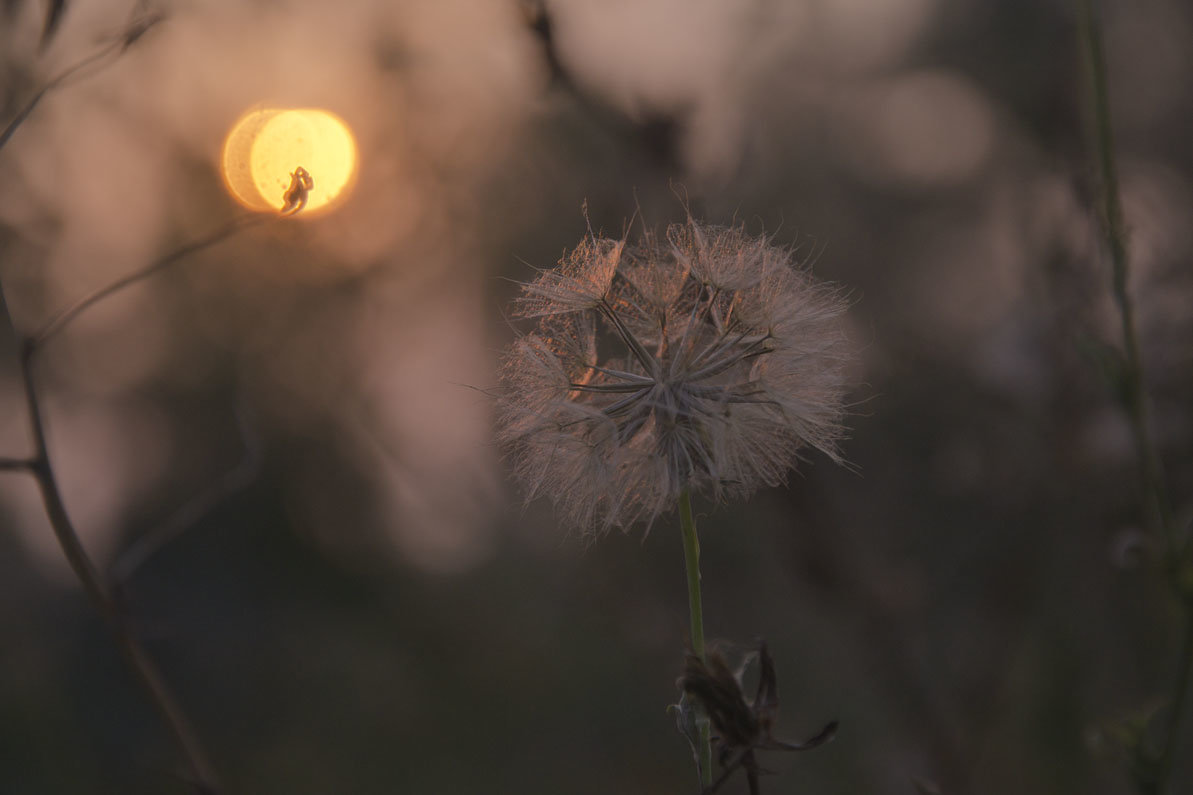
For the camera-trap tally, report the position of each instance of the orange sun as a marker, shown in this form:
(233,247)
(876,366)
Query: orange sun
(266,147)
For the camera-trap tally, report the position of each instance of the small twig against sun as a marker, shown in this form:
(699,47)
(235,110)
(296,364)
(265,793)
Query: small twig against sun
(295,197)
(283,161)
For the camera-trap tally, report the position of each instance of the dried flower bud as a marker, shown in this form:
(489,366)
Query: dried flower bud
(705,363)
(742,727)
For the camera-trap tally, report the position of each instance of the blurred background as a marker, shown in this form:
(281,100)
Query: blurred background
(351,597)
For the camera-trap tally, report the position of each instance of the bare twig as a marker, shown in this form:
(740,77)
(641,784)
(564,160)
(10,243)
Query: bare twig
(135,29)
(63,318)
(97,588)
(94,584)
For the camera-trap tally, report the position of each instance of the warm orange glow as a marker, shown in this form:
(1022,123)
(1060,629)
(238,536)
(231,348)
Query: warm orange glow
(266,147)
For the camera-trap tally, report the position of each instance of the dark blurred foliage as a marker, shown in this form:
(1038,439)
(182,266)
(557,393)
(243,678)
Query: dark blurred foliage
(970,599)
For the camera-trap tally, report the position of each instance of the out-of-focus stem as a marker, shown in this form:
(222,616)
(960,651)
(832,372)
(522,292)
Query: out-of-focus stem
(691,554)
(97,588)
(134,31)
(1134,393)
(1180,691)
(99,592)
(1151,472)
(63,318)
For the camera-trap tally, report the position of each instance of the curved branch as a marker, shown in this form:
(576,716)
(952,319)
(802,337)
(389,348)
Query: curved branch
(63,318)
(97,587)
(99,591)
(135,30)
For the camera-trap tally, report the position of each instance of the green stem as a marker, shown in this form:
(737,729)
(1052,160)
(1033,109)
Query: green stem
(1180,691)
(691,554)
(1159,516)
(1151,470)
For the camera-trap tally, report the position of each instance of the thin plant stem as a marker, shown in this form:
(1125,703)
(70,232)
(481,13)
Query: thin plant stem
(1180,691)
(135,29)
(63,318)
(1134,393)
(58,80)
(101,593)
(105,598)
(97,589)
(1158,513)
(691,554)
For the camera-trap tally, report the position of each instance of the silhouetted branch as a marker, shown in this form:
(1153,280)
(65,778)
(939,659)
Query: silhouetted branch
(656,132)
(93,583)
(39,465)
(63,318)
(137,28)
(99,590)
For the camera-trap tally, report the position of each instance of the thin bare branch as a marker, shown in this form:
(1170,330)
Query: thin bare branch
(63,318)
(114,47)
(100,592)
(94,584)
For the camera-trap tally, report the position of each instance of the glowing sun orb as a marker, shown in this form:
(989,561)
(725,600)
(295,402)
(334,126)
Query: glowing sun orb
(266,147)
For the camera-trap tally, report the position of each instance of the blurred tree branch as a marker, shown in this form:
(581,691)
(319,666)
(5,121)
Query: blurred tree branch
(657,133)
(54,12)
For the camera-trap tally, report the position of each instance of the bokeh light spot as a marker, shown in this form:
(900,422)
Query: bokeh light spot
(934,126)
(266,146)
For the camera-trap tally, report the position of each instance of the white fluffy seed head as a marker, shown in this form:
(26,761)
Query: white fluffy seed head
(706,362)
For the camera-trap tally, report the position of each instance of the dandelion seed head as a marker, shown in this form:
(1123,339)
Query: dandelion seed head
(706,361)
